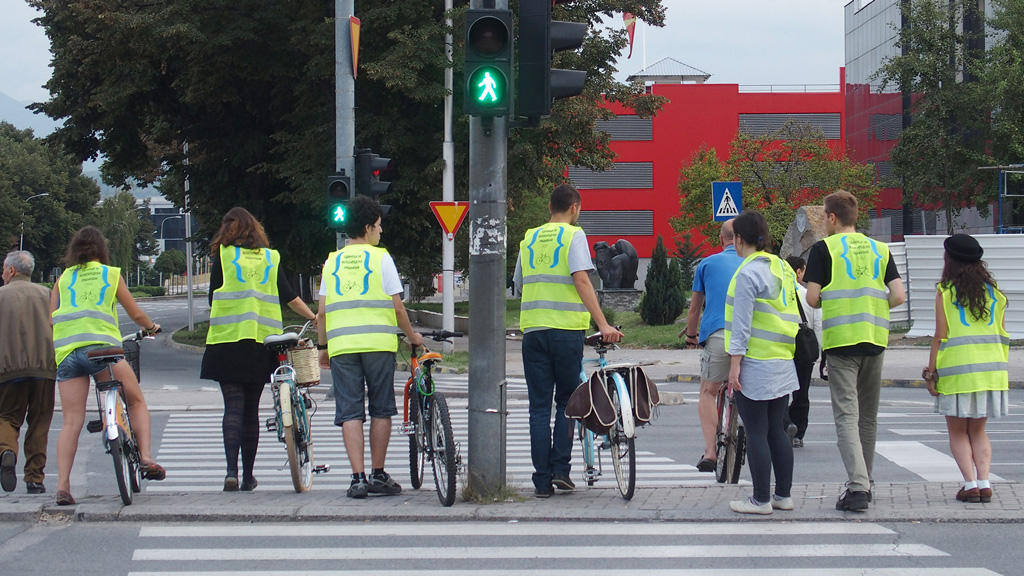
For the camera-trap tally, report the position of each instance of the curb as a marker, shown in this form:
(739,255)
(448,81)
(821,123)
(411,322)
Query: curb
(886,382)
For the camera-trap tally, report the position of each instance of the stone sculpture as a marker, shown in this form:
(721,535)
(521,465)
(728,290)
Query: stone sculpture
(616,264)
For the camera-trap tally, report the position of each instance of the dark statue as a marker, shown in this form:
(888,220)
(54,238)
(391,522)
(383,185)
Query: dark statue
(616,264)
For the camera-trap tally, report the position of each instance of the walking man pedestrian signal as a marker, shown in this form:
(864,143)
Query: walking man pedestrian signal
(489,79)
(487,84)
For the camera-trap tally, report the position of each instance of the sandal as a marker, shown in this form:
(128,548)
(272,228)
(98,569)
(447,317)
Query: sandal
(152,471)
(64,498)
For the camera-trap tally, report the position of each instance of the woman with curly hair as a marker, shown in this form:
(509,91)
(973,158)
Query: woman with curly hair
(967,368)
(248,285)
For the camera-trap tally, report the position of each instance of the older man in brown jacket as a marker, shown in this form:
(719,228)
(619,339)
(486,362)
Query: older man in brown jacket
(27,372)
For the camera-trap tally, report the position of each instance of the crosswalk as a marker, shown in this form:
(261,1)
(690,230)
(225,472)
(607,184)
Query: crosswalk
(192,451)
(538,549)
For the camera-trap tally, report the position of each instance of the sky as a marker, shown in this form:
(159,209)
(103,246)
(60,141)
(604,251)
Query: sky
(748,42)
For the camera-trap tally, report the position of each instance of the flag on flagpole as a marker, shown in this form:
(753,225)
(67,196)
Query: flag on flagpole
(630,21)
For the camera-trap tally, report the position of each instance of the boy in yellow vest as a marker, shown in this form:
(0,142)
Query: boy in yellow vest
(359,316)
(847,277)
(553,271)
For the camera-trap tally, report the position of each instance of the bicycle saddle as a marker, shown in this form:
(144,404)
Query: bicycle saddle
(112,354)
(286,340)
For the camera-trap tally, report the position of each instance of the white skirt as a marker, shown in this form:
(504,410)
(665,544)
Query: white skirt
(985,404)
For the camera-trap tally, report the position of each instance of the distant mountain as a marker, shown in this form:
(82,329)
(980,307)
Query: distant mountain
(107,190)
(15,112)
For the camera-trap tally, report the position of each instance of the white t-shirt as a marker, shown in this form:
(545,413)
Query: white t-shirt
(390,281)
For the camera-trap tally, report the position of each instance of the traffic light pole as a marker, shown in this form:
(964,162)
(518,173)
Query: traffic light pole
(448,193)
(345,95)
(488,153)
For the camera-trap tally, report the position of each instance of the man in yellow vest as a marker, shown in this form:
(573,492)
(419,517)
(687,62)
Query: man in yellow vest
(553,272)
(359,316)
(847,276)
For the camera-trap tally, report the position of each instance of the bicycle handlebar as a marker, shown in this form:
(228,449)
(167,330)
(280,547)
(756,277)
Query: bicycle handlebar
(302,329)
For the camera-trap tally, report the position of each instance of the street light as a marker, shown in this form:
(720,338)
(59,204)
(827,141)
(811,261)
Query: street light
(162,222)
(21,241)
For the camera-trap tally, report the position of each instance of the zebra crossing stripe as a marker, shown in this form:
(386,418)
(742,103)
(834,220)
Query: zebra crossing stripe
(594,572)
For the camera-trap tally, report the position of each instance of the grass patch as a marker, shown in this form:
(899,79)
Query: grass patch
(462,309)
(197,337)
(639,335)
(506,493)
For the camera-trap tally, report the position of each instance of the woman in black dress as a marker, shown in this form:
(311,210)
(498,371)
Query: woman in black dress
(248,285)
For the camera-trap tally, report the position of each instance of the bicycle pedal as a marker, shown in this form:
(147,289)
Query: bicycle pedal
(271,424)
(94,426)
(321,469)
(407,428)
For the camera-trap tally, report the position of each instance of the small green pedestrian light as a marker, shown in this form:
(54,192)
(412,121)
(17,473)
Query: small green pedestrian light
(337,214)
(489,80)
(487,86)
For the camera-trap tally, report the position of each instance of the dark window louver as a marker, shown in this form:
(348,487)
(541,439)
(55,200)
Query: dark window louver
(623,175)
(617,222)
(760,125)
(628,127)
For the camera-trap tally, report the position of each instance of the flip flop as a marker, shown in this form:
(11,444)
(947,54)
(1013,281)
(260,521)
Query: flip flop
(153,471)
(706,465)
(64,498)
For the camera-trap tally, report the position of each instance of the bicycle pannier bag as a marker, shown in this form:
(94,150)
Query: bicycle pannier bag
(591,404)
(643,393)
(806,342)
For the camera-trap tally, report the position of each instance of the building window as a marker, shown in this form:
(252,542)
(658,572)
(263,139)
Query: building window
(885,127)
(623,175)
(628,127)
(617,222)
(760,125)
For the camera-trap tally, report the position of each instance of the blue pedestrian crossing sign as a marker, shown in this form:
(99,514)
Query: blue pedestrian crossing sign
(726,200)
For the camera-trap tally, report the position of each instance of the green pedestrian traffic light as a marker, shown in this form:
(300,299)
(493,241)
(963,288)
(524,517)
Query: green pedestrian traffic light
(489,75)
(339,191)
(336,214)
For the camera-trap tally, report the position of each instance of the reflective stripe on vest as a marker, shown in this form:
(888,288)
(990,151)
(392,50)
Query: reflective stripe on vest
(247,306)
(974,356)
(855,305)
(360,315)
(775,322)
(86,313)
(550,299)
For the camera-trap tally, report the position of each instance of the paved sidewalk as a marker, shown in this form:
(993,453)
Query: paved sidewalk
(924,502)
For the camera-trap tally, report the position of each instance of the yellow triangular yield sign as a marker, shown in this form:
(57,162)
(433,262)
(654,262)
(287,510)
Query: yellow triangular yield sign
(450,215)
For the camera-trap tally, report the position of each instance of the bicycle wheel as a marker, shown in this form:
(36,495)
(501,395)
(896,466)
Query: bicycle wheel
(741,452)
(623,451)
(122,469)
(442,443)
(417,449)
(135,478)
(727,466)
(297,442)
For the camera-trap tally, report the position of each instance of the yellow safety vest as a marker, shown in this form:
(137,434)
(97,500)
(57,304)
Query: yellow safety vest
(360,315)
(247,306)
(974,355)
(86,313)
(854,305)
(776,320)
(550,299)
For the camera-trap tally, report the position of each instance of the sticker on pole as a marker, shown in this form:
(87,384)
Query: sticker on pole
(450,215)
(726,200)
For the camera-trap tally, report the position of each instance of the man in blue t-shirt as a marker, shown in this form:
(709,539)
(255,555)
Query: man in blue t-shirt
(710,284)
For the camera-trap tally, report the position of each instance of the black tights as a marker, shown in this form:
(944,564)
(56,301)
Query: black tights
(241,425)
(768,447)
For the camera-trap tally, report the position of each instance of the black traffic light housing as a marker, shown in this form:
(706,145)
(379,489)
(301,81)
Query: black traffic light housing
(339,191)
(539,37)
(368,169)
(490,79)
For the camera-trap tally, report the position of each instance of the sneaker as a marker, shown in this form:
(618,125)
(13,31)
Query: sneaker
(248,484)
(971,495)
(35,488)
(563,482)
(358,489)
(748,506)
(798,442)
(853,501)
(791,431)
(782,503)
(544,492)
(231,483)
(8,480)
(384,484)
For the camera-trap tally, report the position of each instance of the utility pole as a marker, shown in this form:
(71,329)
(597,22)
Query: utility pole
(188,242)
(448,192)
(488,151)
(345,95)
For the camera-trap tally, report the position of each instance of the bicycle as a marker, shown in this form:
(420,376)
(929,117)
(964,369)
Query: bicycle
(428,424)
(119,439)
(730,440)
(620,440)
(293,406)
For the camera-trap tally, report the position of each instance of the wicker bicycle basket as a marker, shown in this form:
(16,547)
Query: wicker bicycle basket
(131,354)
(304,360)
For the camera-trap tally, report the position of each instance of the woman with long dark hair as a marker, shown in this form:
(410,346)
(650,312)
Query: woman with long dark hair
(82,309)
(248,285)
(968,366)
(761,322)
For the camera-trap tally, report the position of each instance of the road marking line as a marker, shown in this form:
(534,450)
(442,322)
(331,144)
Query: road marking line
(593,572)
(926,462)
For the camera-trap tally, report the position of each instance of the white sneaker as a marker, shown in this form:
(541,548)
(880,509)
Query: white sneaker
(747,506)
(782,503)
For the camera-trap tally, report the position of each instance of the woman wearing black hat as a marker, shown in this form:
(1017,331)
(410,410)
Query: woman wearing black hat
(967,369)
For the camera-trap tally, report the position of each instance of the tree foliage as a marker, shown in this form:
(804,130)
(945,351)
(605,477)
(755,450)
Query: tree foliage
(128,230)
(938,154)
(249,85)
(1003,81)
(664,295)
(29,166)
(780,171)
(170,262)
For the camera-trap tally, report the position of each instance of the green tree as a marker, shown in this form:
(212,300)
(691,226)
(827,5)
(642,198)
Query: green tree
(250,86)
(1003,80)
(170,262)
(938,155)
(663,300)
(31,166)
(780,171)
(128,230)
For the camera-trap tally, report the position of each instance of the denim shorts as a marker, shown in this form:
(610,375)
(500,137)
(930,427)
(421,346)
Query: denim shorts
(78,364)
(362,375)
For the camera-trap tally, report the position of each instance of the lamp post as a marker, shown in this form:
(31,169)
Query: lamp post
(21,241)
